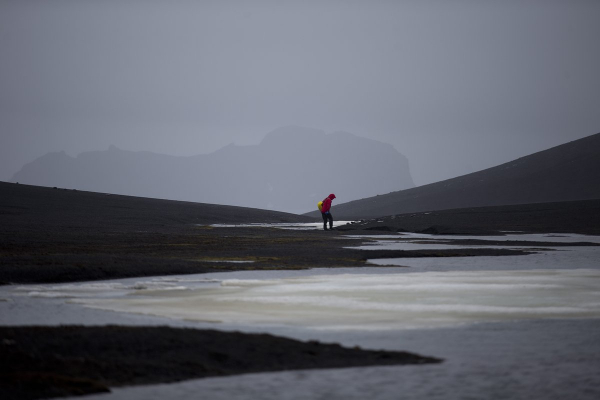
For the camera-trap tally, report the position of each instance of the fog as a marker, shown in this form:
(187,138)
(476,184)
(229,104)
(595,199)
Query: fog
(455,86)
(291,170)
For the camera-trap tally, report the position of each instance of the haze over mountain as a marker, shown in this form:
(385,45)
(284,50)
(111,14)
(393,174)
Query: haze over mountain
(563,173)
(456,86)
(290,170)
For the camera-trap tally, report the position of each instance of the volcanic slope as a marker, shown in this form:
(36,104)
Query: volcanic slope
(33,208)
(563,173)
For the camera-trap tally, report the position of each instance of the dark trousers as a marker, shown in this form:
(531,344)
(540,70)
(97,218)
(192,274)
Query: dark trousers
(325,218)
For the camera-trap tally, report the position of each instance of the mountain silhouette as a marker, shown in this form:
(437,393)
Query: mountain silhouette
(563,173)
(290,170)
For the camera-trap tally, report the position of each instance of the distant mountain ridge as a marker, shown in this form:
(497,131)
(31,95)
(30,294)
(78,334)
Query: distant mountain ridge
(563,173)
(290,170)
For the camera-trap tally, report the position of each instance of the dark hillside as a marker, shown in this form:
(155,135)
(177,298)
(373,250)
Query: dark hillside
(582,217)
(25,207)
(59,235)
(564,173)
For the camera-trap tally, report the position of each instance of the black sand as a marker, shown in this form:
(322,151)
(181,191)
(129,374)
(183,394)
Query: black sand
(60,361)
(55,235)
(52,235)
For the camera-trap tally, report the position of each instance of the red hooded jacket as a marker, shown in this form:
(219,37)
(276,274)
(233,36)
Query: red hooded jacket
(327,203)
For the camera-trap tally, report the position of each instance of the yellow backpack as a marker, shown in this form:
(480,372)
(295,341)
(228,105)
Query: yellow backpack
(320,205)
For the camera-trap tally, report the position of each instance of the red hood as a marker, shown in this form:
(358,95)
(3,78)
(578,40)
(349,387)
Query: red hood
(331,196)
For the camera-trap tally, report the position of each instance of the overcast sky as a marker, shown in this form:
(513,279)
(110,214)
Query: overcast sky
(456,86)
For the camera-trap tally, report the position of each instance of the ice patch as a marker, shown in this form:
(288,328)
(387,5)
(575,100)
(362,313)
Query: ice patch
(247,282)
(114,288)
(380,302)
(49,294)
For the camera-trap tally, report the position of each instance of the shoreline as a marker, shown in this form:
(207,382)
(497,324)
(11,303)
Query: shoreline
(58,236)
(45,362)
(53,235)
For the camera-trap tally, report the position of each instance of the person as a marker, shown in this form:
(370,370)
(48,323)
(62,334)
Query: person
(326,211)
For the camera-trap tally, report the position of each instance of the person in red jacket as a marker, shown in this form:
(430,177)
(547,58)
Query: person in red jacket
(326,213)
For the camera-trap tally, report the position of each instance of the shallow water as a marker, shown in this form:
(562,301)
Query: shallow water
(283,225)
(513,327)
(548,257)
(351,301)
(518,361)
(557,258)
(528,237)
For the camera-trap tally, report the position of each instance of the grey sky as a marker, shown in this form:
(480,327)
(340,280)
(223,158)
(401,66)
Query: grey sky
(456,86)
